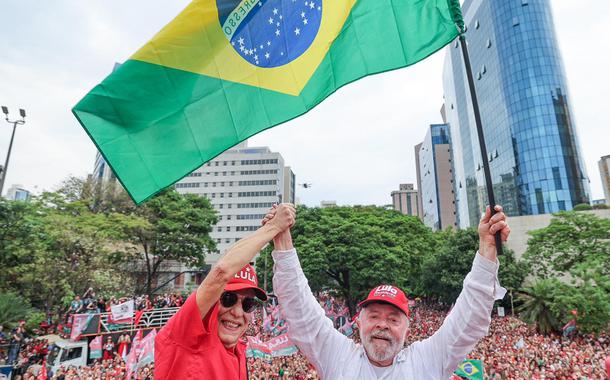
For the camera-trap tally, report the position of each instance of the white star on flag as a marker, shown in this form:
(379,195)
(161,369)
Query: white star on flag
(305,21)
(274,11)
(267,55)
(270,20)
(297,31)
(277,32)
(312,5)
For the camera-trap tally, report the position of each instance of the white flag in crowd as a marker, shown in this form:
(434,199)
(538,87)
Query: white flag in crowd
(122,311)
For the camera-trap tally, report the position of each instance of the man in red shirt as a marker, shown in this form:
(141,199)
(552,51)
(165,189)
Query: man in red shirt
(202,341)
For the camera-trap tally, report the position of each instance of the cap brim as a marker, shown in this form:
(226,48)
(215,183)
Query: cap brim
(365,303)
(260,293)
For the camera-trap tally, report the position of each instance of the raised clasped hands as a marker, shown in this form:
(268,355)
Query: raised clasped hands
(282,217)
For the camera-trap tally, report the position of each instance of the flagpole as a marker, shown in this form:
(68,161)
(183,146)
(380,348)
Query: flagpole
(477,117)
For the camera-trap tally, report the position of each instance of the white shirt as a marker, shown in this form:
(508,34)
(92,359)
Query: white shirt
(337,357)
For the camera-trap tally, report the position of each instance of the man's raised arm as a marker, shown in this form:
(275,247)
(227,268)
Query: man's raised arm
(308,326)
(470,317)
(240,254)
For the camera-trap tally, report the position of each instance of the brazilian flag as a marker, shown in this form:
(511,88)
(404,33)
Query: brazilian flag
(470,369)
(225,70)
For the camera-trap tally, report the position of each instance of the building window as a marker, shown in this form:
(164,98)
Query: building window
(515,21)
(216,163)
(524,3)
(228,228)
(228,217)
(229,205)
(219,229)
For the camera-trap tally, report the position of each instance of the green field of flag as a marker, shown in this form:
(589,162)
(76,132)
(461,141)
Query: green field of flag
(225,70)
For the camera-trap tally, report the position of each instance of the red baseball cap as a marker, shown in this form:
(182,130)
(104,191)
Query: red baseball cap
(246,279)
(388,294)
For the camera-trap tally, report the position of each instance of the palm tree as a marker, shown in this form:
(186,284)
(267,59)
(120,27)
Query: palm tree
(12,309)
(536,307)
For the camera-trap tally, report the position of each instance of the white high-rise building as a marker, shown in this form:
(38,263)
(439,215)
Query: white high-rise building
(242,184)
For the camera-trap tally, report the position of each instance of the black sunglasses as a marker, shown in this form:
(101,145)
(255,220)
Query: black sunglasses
(229,299)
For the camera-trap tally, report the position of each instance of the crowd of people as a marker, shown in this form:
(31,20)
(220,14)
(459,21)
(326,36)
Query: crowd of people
(90,303)
(511,350)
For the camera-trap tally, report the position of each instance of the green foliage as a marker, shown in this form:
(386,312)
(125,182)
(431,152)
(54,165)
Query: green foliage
(444,270)
(353,249)
(583,207)
(575,247)
(12,309)
(600,207)
(538,301)
(171,226)
(572,242)
(92,235)
(34,320)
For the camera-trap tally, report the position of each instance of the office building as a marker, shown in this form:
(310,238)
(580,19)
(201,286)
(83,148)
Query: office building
(604,172)
(533,150)
(405,199)
(102,171)
(435,179)
(242,184)
(17,193)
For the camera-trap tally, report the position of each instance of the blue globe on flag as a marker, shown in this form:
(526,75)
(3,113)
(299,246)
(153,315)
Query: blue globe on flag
(270,33)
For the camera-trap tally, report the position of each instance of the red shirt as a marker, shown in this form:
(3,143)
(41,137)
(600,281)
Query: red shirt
(189,348)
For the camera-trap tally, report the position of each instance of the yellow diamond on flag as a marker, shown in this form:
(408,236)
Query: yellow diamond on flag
(273,47)
(468,368)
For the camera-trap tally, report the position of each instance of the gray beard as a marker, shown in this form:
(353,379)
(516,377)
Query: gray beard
(380,352)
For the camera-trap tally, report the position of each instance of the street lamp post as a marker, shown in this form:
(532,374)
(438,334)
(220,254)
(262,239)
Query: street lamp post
(10,146)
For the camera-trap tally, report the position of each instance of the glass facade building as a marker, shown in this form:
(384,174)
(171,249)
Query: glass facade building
(435,178)
(534,153)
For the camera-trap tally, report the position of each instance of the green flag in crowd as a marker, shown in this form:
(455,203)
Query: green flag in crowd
(470,369)
(224,70)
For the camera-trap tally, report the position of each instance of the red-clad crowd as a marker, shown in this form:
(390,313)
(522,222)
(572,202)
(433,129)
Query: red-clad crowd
(511,350)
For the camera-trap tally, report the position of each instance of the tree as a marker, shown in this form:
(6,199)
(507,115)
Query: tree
(19,227)
(576,248)
(98,196)
(172,227)
(537,304)
(444,270)
(75,251)
(583,207)
(12,309)
(572,241)
(352,249)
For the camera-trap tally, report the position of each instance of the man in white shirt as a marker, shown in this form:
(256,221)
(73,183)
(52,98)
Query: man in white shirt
(383,322)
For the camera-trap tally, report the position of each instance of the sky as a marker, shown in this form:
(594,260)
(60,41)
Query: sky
(354,148)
